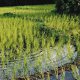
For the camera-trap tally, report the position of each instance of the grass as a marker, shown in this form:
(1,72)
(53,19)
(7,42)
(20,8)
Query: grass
(27,29)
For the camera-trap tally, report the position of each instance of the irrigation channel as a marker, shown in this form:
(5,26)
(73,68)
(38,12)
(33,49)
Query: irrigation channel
(47,63)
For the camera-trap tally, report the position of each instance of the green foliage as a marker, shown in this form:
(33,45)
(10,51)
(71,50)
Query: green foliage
(9,14)
(68,6)
(27,37)
(24,2)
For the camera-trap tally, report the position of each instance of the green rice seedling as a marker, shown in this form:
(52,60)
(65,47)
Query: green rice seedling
(52,41)
(48,50)
(56,72)
(63,74)
(20,36)
(42,75)
(78,45)
(43,41)
(48,74)
(13,77)
(25,67)
(28,45)
(3,58)
(39,67)
(27,78)
(75,72)
(20,42)
(69,47)
(14,72)
(59,49)
(36,45)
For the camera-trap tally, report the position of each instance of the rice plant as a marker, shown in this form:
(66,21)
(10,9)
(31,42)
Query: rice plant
(33,37)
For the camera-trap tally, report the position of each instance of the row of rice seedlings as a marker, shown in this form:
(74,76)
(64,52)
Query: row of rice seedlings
(15,39)
(72,24)
(66,25)
(78,44)
(62,22)
(14,45)
(24,29)
(56,72)
(63,74)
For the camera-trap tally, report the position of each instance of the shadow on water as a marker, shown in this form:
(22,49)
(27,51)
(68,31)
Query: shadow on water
(68,76)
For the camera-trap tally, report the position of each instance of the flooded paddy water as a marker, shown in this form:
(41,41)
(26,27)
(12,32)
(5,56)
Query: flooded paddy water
(56,64)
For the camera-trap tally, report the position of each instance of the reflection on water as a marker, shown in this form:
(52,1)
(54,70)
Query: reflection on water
(68,76)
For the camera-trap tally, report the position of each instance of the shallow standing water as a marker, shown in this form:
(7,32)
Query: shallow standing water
(46,64)
(68,76)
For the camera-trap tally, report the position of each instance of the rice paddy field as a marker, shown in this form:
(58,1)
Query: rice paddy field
(36,43)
